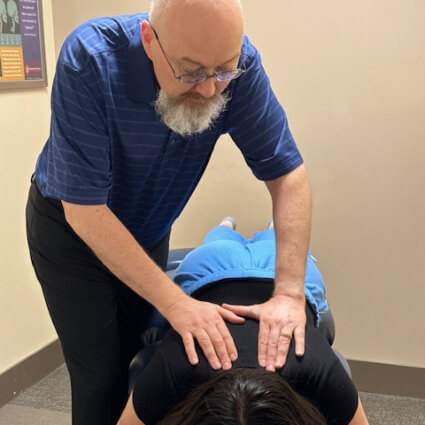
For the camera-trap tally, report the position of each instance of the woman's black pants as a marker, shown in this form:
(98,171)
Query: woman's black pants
(99,320)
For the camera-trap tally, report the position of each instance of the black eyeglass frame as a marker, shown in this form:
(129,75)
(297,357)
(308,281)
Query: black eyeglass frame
(197,78)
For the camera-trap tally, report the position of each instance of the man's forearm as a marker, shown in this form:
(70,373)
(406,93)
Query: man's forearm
(113,244)
(119,251)
(291,196)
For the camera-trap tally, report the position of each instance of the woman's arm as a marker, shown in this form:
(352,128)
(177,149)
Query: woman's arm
(129,416)
(359,417)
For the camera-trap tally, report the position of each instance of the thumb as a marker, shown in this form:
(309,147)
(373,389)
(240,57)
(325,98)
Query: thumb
(250,311)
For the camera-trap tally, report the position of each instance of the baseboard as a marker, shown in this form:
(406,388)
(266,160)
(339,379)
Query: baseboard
(29,371)
(388,379)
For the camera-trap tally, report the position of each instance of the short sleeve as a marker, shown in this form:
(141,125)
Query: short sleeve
(78,160)
(257,122)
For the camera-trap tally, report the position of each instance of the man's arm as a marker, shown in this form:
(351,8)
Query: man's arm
(291,196)
(283,316)
(113,244)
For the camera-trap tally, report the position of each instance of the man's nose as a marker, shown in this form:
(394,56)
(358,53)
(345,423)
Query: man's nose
(207,88)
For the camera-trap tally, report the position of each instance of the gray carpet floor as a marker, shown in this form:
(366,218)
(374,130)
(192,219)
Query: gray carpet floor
(48,403)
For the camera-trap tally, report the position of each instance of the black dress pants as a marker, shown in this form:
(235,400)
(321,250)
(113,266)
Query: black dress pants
(99,320)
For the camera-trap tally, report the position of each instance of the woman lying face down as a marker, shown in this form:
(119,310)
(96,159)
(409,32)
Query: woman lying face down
(314,389)
(310,390)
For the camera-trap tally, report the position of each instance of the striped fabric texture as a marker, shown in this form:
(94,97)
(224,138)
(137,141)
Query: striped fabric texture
(108,146)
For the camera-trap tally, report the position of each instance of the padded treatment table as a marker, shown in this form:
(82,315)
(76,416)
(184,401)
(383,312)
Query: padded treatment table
(152,337)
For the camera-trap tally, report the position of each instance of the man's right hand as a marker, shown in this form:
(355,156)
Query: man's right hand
(204,322)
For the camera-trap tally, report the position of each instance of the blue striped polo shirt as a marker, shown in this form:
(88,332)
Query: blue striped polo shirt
(108,146)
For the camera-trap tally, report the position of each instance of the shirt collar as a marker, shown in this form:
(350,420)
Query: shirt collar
(141,81)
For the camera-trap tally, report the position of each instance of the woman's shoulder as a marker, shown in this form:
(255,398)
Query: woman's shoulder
(167,379)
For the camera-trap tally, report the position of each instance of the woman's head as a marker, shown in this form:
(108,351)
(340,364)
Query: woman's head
(244,397)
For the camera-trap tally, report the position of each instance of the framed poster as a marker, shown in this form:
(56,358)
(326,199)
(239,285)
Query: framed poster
(22,57)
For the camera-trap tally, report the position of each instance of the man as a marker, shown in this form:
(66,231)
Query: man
(137,106)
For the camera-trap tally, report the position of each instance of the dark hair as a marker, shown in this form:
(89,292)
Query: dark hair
(244,397)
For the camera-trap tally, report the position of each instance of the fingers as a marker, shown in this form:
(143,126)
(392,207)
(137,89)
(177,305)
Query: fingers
(213,347)
(217,342)
(284,342)
(228,341)
(299,335)
(217,345)
(189,346)
(250,311)
(263,342)
(280,320)
(214,339)
(273,347)
(230,316)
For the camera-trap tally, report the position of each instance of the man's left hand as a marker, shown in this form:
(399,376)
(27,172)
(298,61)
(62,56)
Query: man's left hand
(281,318)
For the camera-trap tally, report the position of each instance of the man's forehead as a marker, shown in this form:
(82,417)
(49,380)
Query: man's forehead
(205,33)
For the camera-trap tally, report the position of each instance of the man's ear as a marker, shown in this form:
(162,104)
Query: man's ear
(147,37)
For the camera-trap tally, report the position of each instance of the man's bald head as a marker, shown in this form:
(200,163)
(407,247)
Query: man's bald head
(206,31)
(161,9)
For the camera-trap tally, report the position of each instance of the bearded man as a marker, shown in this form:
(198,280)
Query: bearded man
(138,103)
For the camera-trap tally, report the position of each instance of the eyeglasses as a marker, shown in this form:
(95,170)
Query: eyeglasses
(198,78)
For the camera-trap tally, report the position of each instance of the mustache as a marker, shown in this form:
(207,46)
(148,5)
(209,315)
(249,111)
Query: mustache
(193,95)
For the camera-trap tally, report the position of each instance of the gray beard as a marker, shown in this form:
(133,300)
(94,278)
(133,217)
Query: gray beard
(189,120)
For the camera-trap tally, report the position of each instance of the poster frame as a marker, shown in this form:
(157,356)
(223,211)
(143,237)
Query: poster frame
(36,83)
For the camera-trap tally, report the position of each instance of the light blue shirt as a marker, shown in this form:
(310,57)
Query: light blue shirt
(226,254)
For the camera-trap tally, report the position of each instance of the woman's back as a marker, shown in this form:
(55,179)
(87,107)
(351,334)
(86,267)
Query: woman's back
(169,378)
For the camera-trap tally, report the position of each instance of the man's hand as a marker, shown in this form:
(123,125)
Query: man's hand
(204,322)
(280,318)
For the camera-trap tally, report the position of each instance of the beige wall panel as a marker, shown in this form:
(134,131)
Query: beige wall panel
(24,114)
(352,79)
(69,14)
(227,188)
